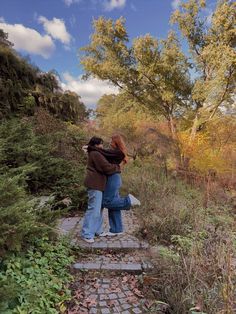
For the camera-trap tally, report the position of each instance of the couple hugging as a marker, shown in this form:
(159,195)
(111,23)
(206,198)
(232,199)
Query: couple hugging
(103,181)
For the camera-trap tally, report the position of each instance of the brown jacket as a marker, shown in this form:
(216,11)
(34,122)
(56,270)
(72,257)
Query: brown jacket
(97,169)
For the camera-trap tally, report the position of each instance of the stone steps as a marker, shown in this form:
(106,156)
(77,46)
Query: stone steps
(118,267)
(118,244)
(135,268)
(127,242)
(110,261)
(117,260)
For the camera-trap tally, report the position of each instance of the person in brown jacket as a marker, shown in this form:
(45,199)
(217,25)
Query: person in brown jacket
(112,200)
(98,168)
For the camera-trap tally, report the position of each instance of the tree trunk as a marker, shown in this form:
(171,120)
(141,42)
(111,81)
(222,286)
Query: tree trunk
(194,128)
(175,139)
(172,127)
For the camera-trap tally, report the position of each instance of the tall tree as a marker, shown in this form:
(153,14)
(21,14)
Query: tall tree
(212,49)
(149,71)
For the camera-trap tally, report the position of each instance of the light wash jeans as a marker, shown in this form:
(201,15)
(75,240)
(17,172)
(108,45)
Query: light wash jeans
(115,203)
(93,219)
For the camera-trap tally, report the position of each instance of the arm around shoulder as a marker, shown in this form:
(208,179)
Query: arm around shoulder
(102,165)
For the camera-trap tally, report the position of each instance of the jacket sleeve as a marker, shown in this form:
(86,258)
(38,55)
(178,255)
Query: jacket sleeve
(102,165)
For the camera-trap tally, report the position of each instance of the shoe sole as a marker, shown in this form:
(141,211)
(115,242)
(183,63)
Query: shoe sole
(114,235)
(87,241)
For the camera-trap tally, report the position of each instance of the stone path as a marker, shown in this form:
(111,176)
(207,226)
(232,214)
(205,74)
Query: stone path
(109,295)
(111,266)
(127,241)
(116,261)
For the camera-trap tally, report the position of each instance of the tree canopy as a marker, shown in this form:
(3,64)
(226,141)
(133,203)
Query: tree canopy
(149,71)
(156,73)
(192,92)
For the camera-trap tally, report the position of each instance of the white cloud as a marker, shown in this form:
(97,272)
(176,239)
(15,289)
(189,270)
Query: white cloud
(2,20)
(56,28)
(70,2)
(109,5)
(29,40)
(90,90)
(175,4)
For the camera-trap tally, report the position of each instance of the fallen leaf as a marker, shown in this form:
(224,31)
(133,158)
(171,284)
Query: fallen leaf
(132,300)
(149,303)
(115,282)
(88,302)
(125,279)
(96,285)
(77,310)
(79,294)
(138,293)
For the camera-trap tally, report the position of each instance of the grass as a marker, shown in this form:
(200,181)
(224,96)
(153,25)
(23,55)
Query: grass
(194,268)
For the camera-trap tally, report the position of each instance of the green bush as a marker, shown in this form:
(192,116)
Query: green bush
(29,166)
(20,221)
(35,156)
(36,282)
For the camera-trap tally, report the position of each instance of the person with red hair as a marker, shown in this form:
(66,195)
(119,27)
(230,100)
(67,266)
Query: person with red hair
(117,154)
(98,168)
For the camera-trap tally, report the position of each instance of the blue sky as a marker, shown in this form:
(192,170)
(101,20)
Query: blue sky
(52,31)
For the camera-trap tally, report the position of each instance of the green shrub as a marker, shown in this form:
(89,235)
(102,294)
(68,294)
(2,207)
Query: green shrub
(36,156)
(36,282)
(29,165)
(20,221)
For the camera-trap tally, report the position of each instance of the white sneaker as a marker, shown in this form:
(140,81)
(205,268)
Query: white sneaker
(88,240)
(134,200)
(103,234)
(112,234)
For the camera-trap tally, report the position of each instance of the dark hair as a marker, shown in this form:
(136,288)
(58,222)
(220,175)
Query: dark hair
(95,141)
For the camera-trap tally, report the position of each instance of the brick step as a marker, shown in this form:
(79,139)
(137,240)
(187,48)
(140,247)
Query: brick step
(118,244)
(135,268)
(132,262)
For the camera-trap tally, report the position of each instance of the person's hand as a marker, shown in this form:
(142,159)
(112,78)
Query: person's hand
(121,165)
(85,149)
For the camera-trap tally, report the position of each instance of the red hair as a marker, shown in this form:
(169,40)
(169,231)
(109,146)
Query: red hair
(118,142)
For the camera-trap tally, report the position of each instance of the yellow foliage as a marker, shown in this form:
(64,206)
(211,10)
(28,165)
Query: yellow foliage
(213,149)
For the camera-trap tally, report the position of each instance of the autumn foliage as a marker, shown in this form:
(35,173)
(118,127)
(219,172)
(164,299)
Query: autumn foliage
(178,107)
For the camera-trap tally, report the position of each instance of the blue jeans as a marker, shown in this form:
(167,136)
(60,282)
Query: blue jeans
(93,219)
(115,203)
